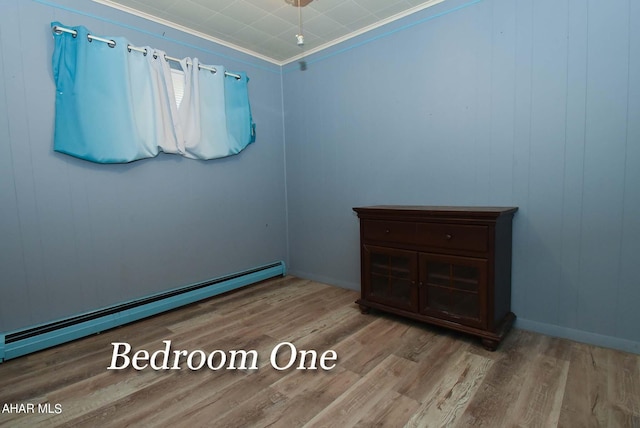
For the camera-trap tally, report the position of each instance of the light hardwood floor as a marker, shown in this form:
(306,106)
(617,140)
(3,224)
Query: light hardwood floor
(389,372)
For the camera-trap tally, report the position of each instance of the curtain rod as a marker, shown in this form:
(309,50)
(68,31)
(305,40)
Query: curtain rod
(112,44)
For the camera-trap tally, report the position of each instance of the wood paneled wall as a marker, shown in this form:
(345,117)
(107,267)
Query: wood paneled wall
(529,103)
(76,236)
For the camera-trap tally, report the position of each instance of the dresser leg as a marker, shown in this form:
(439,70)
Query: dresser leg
(490,344)
(364,309)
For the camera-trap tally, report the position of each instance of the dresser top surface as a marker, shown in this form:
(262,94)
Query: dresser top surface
(429,210)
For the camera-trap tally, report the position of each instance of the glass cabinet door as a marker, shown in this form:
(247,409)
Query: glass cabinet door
(390,277)
(453,288)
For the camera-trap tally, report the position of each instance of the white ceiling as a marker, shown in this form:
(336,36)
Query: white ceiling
(267,28)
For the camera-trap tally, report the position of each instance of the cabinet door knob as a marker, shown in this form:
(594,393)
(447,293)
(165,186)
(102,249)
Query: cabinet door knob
(386,231)
(449,237)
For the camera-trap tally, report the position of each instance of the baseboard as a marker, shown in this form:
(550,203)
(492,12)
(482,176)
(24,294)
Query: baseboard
(579,335)
(355,286)
(27,340)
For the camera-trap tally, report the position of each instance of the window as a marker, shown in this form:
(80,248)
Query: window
(177,77)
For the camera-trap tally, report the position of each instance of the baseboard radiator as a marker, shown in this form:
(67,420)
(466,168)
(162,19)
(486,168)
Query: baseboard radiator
(25,341)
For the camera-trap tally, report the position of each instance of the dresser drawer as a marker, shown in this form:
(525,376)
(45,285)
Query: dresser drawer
(390,231)
(454,236)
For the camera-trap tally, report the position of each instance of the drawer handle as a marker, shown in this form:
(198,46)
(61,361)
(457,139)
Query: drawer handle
(448,237)
(386,231)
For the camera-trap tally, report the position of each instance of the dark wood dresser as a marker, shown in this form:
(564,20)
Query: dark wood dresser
(448,266)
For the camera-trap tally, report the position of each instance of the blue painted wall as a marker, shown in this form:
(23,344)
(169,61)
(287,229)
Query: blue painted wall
(532,103)
(76,236)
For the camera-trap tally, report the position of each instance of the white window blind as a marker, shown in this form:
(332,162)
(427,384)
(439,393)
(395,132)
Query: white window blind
(177,76)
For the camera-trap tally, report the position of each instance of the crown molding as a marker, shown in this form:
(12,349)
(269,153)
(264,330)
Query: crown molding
(280,63)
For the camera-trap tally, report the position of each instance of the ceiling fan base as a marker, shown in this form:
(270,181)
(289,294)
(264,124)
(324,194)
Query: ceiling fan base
(298,3)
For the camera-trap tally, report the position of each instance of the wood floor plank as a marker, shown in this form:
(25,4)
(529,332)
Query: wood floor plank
(338,324)
(492,402)
(314,312)
(253,408)
(582,391)
(623,389)
(362,397)
(600,371)
(393,410)
(539,403)
(250,300)
(258,410)
(389,372)
(361,352)
(91,394)
(267,319)
(451,396)
(433,365)
(307,393)
(61,366)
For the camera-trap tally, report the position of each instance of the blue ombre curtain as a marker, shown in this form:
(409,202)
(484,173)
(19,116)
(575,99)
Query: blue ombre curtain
(241,129)
(215,112)
(114,105)
(105,100)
